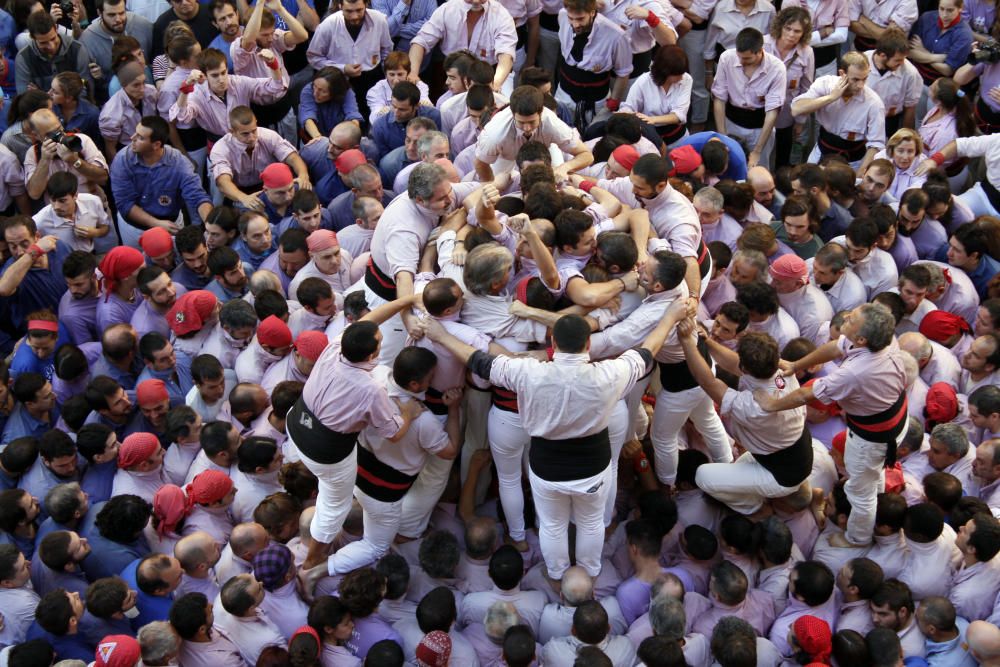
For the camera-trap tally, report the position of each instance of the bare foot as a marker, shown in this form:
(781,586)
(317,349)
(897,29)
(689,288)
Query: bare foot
(318,553)
(520,545)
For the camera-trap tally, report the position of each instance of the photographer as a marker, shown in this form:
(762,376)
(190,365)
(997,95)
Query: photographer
(983,64)
(54,150)
(49,53)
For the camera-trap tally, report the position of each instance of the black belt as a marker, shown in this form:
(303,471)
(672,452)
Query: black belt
(571,458)
(379,480)
(670,133)
(192,138)
(548,21)
(992,194)
(824,55)
(751,119)
(792,465)
(583,85)
(677,377)
(522,35)
(831,143)
(885,426)
(641,62)
(699,26)
(316,441)
(378,282)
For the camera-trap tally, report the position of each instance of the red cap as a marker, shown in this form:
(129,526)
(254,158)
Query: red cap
(117,651)
(310,344)
(156,242)
(277,175)
(273,332)
(434,650)
(120,262)
(170,505)
(136,448)
(686,159)
(190,311)
(942,404)
(626,155)
(150,392)
(209,486)
(322,239)
(350,159)
(814,636)
(940,325)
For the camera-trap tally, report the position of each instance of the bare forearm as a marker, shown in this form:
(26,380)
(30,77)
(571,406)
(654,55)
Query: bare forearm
(14,274)
(701,371)
(770,118)
(484,171)
(693,276)
(825,353)
(719,113)
(505,63)
(39,179)
(806,107)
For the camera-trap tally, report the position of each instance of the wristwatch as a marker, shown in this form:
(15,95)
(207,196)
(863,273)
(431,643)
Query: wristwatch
(76,165)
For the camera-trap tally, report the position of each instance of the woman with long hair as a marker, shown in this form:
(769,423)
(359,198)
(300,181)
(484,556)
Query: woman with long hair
(326,101)
(949,118)
(788,41)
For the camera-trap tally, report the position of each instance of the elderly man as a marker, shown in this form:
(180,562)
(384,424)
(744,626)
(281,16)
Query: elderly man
(870,385)
(936,362)
(76,154)
(363,181)
(806,303)
(429,147)
(31,279)
(238,615)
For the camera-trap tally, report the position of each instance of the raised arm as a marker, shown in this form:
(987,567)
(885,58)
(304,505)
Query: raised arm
(687,334)
(677,311)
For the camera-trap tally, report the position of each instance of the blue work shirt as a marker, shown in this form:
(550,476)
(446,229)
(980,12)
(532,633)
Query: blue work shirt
(67,647)
(160,189)
(98,480)
(40,289)
(388,133)
(151,607)
(191,280)
(21,424)
(26,361)
(737,168)
(955,43)
(327,114)
(222,45)
(249,256)
(108,558)
(405,20)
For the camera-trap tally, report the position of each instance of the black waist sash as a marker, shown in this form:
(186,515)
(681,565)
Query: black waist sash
(570,459)
(378,282)
(987,119)
(824,55)
(831,143)
(863,44)
(548,21)
(752,119)
(792,465)
(884,427)
(670,133)
(192,138)
(992,194)
(380,480)
(433,401)
(504,399)
(316,441)
(583,85)
(641,62)
(677,377)
(522,35)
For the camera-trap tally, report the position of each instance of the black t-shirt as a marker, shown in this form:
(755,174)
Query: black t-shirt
(201,24)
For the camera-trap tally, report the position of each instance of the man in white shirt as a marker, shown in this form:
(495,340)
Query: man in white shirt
(238,615)
(75,218)
(936,362)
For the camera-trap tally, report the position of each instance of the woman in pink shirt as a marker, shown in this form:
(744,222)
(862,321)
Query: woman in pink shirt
(905,149)
(949,117)
(788,41)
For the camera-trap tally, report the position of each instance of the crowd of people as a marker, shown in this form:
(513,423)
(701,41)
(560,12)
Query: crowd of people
(575,333)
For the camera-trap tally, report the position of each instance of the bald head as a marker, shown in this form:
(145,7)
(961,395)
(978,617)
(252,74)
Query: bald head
(44,121)
(577,586)
(247,539)
(197,552)
(480,537)
(346,135)
(262,279)
(984,642)
(762,182)
(917,345)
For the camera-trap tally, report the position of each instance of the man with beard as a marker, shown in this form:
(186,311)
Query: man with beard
(113,22)
(111,406)
(193,272)
(78,305)
(236,326)
(841,103)
(327,261)
(353,34)
(33,414)
(57,563)
(229,272)
(198,17)
(159,293)
(154,402)
(226,19)
(489,34)
(192,616)
(292,253)
(157,354)
(595,50)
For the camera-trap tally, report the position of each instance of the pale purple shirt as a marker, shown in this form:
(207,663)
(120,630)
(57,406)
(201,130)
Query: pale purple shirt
(764,89)
(120,115)
(647,98)
(865,383)
(80,317)
(757,609)
(898,89)
(285,608)
(974,588)
(901,12)
(494,34)
(607,46)
(211,112)
(12,177)
(146,318)
(218,652)
(860,117)
(229,156)
(332,45)
(727,21)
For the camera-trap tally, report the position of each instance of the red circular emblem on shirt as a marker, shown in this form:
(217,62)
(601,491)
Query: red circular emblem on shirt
(779,382)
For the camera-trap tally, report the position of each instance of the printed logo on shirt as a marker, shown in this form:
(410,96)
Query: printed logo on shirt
(375,59)
(779,382)
(306,421)
(482,53)
(851,136)
(793,84)
(595,487)
(165,200)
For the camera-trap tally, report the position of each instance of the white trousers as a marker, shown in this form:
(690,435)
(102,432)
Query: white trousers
(618,431)
(693,44)
(863,462)
(743,485)
(393,332)
(558,503)
(976,199)
(336,489)
(419,501)
(673,409)
(509,443)
(381,523)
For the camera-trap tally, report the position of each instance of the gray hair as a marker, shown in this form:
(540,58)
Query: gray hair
(159,643)
(952,436)
(667,617)
(832,256)
(753,257)
(911,368)
(577,586)
(427,141)
(423,179)
(710,197)
(62,501)
(236,314)
(349,131)
(878,327)
(916,344)
(914,438)
(485,265)
(360,175)
(500,617)
(937,275)
(360,206)
(261,280)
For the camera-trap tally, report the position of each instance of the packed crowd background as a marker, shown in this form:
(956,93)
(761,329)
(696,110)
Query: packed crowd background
(576,333)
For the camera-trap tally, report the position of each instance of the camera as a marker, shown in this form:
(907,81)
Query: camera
(70,141)
(67,7)
(988,52)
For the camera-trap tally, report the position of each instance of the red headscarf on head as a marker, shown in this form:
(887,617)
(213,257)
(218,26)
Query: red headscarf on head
(814,636)
(170,506)
(118,264)
(209,486)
